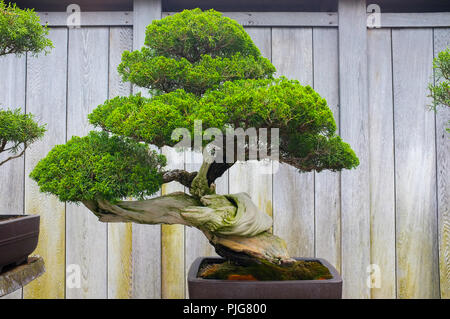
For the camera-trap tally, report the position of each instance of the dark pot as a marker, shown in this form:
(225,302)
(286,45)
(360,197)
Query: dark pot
(200,288)
(18,238)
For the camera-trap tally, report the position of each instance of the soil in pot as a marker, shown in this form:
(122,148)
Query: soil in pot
(8,217)
(299,270)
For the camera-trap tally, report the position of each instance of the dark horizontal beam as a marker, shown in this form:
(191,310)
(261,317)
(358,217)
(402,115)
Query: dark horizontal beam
(387,6)
(86,5)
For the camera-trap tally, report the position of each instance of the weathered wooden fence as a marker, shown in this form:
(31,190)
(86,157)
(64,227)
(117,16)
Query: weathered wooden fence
(390,217)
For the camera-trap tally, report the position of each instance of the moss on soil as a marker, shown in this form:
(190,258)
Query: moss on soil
(300,270)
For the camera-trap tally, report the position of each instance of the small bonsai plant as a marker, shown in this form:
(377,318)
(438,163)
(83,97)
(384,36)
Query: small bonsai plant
(20,32)
(199,66)
(440,90)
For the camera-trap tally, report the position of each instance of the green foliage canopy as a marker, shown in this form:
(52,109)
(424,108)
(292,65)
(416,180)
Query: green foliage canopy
(199,65)
(21,31)
(307,128)
(195,51)
(98,166)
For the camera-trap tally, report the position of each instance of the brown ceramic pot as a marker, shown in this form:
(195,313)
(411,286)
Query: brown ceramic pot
(18,238)
(200,288)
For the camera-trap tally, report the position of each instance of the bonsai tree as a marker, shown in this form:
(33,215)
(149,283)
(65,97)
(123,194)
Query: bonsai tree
(199,66)
(20,32)
(440,90)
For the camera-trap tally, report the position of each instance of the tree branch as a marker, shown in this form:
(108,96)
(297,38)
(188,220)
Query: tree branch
(232,223)
(15,156)
(216,170)
(160,210)
(183,177)
(200,186)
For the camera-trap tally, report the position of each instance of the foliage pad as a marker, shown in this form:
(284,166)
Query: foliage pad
(195,51)
(21,31)
(18,129)
(98,166)
(308,137)
(440,91)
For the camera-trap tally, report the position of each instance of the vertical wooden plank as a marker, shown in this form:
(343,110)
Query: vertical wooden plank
(46,98)
(146,238)
(144,12)
(382,187)
(255,177)
(172,238)
(354,128)
(415,165)
(293,192)
(86,237)
(441,42)
(12,96)
(327,184)
(262,37)
(120,236)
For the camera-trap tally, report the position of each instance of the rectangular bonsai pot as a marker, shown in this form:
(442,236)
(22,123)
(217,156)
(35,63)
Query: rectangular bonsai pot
(200,288)
(18,238)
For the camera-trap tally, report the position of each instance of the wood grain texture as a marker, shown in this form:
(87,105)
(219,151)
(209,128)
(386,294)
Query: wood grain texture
(120,236)
(86,237)
(146,238)
(46,98)
(281,19)
(382,185)
(293,192)
(255,177)
(354,129)
(172,238)
(89,19)
(145,11)
(415,163)
(12,96)
(327,184)
(415,19)
(441,42)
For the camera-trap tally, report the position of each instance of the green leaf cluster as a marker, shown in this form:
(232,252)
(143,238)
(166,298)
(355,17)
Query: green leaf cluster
(193,33)
(194,50)
(99,166)
(440,90)
(161,74)
(307,128)
(21,31)
(17,130)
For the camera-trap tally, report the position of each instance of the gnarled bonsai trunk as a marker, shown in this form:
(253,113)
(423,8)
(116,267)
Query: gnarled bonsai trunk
(233,224)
